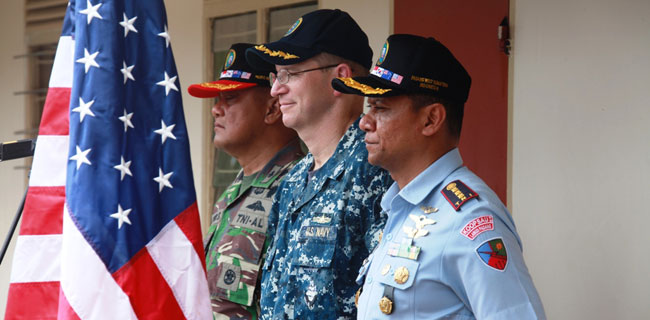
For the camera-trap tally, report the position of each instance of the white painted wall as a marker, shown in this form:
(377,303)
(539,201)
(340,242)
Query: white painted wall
(12,118)
(184,20)
(581,154)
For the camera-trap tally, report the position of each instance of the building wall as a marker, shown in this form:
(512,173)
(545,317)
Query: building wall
(12,119)
(184,20)
(579,140)
(581,153)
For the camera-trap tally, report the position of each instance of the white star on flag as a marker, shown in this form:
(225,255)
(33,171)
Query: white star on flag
(165,131)
(84,109)
(121,216)
(126,71)
(124,168)
(168,83)
(80,157)
(163,180)
(91,11)
(126,118)
(165,35)
(88,59)
(128,24)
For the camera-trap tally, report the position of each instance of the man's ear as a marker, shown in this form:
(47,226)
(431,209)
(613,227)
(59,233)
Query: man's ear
(273,113)
(343,70)
(433,117)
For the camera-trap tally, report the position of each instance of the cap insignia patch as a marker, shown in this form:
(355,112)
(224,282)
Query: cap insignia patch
(235,74)
(493,253)
(457,193)
(220,86)
(272,53)
(365,89)
(294,27)
(387,74)
(384,52)
(230,59)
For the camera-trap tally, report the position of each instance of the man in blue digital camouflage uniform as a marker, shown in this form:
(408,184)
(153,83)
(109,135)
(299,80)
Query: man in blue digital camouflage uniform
(450,249)
(326,214)
(248,126)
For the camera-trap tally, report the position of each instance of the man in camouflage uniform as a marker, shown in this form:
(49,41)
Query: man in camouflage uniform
(248,126)
(326,214)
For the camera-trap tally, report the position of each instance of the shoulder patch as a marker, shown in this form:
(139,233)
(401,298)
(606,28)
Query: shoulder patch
(477,226)
(493,254)
(457,193)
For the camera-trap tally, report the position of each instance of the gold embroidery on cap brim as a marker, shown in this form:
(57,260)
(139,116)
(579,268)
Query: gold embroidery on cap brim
(272,53)
(365,89)
(220,86)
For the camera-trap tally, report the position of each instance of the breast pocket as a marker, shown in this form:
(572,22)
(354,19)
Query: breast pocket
(317,244)
(314,292)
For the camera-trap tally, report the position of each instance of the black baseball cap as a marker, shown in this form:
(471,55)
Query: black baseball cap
(411,64)
(236,74)
(326,30)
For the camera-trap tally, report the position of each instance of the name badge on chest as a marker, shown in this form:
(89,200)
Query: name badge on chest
(317,232)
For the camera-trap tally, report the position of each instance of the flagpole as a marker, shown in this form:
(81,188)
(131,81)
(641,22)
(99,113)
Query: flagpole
(13,227)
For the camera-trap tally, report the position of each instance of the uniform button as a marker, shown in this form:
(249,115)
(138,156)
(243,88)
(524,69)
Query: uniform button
(369,279)
(389,237)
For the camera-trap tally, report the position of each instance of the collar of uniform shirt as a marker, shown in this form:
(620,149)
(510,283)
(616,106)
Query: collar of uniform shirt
(420,187)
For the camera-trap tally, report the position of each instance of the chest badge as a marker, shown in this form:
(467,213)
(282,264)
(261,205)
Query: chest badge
(322,219)
(428,210)
(401,275)
(386,305)
(310,295)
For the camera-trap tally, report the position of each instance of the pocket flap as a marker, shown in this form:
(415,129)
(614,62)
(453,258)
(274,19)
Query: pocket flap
(400,272)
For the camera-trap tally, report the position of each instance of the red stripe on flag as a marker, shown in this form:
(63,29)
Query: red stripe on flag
(43,213)
(150,295)
(55,120)
(65,310)
(32,300)
(189,222)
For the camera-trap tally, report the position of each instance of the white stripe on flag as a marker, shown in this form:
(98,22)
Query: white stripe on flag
(181,267)
(37,258)
(63,64)
(89,287)
(50,161)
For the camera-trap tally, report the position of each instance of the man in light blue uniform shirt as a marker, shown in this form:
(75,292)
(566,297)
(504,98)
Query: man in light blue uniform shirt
(450,249)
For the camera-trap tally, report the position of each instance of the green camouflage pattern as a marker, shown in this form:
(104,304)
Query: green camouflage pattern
(237,238)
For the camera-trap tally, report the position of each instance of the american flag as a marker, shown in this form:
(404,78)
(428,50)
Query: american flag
(111,228)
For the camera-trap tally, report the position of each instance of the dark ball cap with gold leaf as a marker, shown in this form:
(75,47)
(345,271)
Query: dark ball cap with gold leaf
(411,64)
(326,30)
(237,74)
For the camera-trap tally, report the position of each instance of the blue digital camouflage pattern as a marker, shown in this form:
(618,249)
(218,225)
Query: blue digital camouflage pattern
(461,271)
(237,237)
(325,227)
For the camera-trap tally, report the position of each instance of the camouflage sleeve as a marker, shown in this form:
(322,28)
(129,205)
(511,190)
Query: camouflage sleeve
(375,219)
(273,218)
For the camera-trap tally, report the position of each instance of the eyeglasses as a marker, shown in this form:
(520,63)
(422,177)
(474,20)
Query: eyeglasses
(283,75)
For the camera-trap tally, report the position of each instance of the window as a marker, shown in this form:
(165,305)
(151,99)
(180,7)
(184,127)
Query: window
(245,27)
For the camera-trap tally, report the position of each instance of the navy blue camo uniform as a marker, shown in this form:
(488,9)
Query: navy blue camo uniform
(325,227)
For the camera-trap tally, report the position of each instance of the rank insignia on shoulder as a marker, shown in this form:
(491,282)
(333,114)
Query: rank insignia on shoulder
(457,193)
(493,254)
